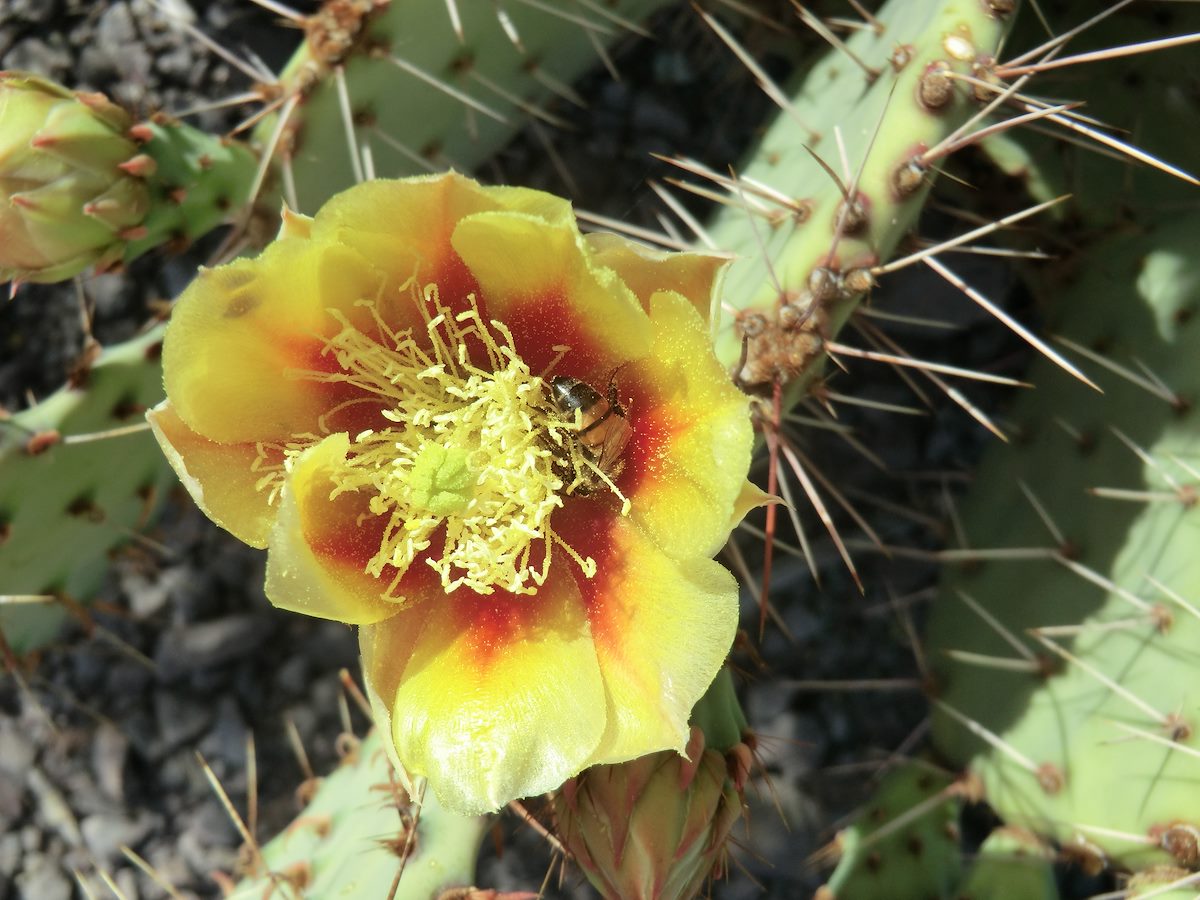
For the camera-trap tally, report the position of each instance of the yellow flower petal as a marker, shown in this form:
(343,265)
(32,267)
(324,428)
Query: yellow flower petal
(692,436)
(405,226)
(319,549)
(751,497)
(240,330)
(490,697)
(218,476)
(646,271)
(662,629)
(537,279)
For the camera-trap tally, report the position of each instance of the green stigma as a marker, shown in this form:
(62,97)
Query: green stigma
(441,480)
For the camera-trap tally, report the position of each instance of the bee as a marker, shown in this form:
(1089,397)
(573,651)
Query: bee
(604,429)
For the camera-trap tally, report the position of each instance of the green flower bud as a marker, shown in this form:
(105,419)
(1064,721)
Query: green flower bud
(71,191)
(652,828)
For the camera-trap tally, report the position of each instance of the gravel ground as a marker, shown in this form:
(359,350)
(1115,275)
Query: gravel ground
(99,749)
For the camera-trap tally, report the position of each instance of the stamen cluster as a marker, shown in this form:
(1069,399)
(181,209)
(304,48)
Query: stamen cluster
(470,449)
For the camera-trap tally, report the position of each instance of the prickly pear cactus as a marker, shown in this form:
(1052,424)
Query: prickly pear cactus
(376,88)
(197,181)
(83,185)
(1164,883)
(422,89)
(1011,863)
(904,844)
(806,243)
(1133,101)
(362,836)
(1067,679)
(66,502)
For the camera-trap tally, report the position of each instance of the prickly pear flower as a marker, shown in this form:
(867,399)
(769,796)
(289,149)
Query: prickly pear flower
(65,201)
(503,449)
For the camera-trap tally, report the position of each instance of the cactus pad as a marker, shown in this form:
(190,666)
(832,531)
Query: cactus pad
(905,844)
(885,114)
(64,506)
(1087,730)
(352,837)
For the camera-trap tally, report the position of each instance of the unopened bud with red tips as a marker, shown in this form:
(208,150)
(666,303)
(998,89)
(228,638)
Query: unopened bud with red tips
(653,828)
(71,180)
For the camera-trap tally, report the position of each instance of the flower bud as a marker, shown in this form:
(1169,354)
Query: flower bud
(69,195)
(652,828)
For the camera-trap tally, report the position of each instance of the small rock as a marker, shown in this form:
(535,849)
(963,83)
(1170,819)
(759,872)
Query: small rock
(43,879)
(36,11)
(205,644)
(176,63)
(52,808)
(88,663)
(180,719)
(10,853)
(654,116)
(209,840)
(110,748)
(49,59)
(108,292)
(126,681)
(226,740)
(177,775)
(84,795)
(294,676)
(168,863)
(16,750)
(105,833)
(142,729)
(147,595)
(12,801)
(115,52)
(126,880)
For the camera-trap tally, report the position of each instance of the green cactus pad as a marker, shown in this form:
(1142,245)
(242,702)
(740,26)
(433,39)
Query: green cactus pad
(1100,749)
(199,182)
(917,851)
(350,839)
(64,507)
(410,125)
(1158,883)
(1011,864)
(888,120)
(1140,99)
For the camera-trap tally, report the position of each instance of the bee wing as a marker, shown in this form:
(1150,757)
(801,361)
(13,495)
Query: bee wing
(617,435)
